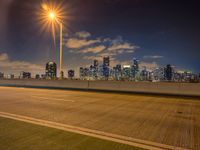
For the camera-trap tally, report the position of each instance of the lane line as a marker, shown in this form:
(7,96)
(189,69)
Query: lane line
(93,133)
(55,99)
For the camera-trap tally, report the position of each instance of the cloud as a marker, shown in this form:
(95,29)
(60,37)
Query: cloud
(153,57)
(83,34)
(122,48)
(75,43)
(99,58)
(148,65)
(96,49)
(82,43)
(10,66)
(3,57)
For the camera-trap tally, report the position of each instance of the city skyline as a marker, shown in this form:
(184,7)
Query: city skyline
(99,75)
(86,38)
(103,70)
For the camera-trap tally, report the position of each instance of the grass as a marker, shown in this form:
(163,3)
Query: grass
(16,135)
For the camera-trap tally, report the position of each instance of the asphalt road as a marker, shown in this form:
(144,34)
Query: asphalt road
(151,119)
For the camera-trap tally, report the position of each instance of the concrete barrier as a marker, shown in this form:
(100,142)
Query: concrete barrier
(187,89)
(46,83)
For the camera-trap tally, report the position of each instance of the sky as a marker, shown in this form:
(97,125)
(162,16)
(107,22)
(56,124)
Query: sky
(157,32)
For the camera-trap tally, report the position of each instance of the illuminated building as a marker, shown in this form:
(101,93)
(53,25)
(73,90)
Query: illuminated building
(117,72)
(1,75)
(126,72)
(71,74)
(168,73)
(11,76)
(51,70)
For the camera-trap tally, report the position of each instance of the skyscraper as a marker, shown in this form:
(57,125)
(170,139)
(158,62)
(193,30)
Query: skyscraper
(1,75)
(71,74)
(37,76)
(158,74)
(51,70)
(126,72)
(136,64)
(134,68)
(84,73)
(168,73)
(117,72)
(106,64)
(10,76)
(25,75)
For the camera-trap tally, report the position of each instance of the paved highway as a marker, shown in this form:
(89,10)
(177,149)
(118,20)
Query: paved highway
(152,120)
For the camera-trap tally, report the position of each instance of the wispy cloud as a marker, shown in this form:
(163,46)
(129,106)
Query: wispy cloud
(149,65)
(75,43)
(83,34)
(153,57)
(10,66)
(96,49)
(3,57)
(84,43)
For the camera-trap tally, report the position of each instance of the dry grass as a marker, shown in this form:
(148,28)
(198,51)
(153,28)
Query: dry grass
(15,135)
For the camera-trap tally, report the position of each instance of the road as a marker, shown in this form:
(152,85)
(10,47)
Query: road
(167,122)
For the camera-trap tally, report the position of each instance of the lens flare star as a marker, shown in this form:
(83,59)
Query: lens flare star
(51,16)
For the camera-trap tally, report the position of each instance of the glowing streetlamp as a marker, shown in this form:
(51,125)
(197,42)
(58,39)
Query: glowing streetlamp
(53,16)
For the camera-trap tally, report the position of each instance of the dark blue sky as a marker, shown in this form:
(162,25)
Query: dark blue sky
(158,32)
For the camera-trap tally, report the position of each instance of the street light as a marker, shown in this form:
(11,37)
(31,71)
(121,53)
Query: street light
(54,16)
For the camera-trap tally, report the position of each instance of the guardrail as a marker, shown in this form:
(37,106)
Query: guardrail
(185,89)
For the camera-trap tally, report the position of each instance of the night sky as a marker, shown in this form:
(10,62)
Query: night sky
(157,32)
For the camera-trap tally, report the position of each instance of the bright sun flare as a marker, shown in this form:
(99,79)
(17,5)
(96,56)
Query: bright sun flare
(52,15)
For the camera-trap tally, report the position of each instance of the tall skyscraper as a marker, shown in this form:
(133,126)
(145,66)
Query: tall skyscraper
(106,61)
(136,64)
(168,73)
(134,68)
(117,72)
(106,64)
(51,70)
(81,73)
(144,75)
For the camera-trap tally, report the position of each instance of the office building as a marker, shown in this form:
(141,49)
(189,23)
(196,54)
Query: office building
(168,73)
(71,74)
(126,72)
(37,76)
(10,76)
(1,75)
(134,68)
(158,74)
(117,72)
(25,75)
(51,70)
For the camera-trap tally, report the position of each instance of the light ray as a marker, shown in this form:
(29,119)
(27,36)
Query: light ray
(50,16)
